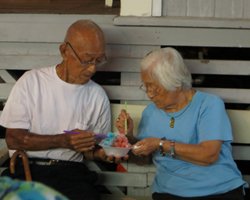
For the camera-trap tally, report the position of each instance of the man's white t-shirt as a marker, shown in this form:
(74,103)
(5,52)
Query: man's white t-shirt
(44,104)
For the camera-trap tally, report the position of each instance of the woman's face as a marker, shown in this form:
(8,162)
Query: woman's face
(162,98)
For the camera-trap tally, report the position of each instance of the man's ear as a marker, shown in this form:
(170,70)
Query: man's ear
(62,49)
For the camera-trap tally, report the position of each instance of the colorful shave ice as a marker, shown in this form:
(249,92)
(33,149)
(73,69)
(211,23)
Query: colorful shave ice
(115,140)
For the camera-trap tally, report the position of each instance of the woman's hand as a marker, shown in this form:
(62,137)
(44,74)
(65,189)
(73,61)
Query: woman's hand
(121,123)
(146,146)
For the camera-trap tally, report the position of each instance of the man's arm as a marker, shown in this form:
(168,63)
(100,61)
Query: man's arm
(22,139)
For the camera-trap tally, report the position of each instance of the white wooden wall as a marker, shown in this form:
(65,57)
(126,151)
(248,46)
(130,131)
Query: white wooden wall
(232,9)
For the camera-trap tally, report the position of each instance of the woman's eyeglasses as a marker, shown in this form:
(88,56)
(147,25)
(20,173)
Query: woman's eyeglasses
(150,90)
(97,61)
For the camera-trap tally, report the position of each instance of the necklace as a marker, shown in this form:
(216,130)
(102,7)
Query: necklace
(172,117)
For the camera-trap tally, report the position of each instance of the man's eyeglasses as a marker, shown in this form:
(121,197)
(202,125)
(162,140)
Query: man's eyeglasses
(97,61)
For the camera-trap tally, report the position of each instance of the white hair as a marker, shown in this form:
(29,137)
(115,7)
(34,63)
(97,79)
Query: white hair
(166,66)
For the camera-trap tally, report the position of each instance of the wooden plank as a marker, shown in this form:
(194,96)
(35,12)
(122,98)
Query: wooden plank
(179,36)
(5,89)
(134,93)
(220,67)
(37,27)
(173,21)
(129,51)
(174,8)
(32,30)
(35,49)
(3,151)
(240,120)
(28,62)
(230,95)
(5,76)
(122,64)
(136,191)
(200,8)
(53,18)
(246,9)
(52,49)
(241,152)
(136,8)
(157,8)
(229,8)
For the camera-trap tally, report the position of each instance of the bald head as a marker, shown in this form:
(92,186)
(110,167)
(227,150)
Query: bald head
(85,33)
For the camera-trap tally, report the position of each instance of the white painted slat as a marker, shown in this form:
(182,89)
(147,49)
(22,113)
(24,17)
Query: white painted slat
(109,3)
(6,76)
(35,48)
(5,89)
(28,62)
(240,120)
(229,8)
(129,51)
(136,8)
(52,49)
(200,8)
(121,65)
(156,8)
(174,7)
(33,31)
(3,151)
(134,93)
(171,21)
(179,36)
(151,176)
(241,152)
(53,18)
(230,95)
(219,67)
(130,79)
(135,191)
(246,9)
(41,27)
(132,167)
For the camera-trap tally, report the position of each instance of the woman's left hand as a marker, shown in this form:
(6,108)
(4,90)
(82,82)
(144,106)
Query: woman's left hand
(146,146)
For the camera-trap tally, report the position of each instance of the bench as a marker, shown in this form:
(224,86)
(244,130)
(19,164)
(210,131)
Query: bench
(31,41)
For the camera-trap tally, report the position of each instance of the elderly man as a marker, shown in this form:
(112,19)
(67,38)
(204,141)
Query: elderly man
(53,114)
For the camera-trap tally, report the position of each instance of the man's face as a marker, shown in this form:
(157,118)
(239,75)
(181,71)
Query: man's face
(83,63)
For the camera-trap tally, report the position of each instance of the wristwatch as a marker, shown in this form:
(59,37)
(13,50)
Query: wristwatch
(172,150)
(161,146)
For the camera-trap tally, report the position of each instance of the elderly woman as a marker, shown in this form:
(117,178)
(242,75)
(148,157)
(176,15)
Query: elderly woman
(187,132)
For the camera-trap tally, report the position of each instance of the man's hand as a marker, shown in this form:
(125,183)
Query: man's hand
(80,141)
